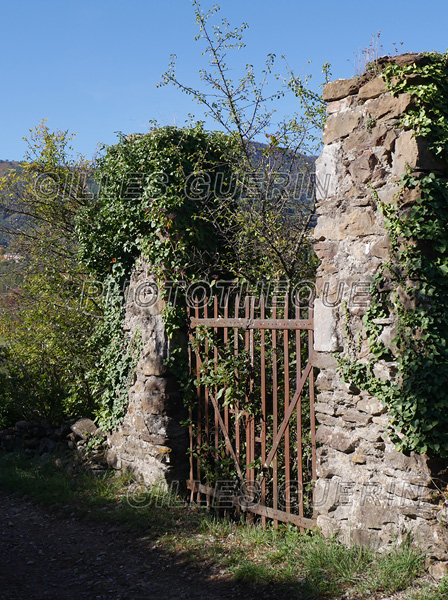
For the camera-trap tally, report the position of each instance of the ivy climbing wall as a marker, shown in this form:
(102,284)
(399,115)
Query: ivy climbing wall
(381,312)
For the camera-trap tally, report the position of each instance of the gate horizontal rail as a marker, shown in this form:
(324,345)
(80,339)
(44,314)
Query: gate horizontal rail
(253,323)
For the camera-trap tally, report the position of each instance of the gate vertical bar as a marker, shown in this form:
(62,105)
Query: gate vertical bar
(207,398)
(198,395)
(286,406)
(190,409)
(274,410)
(263,406)
(299,413)
(312,413)
(252,415)
(226,344)
(237,406)
(215,356)
(246,414)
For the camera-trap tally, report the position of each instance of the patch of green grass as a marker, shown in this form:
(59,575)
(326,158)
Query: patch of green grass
(300,563)
(431,591)
(331,566)
(397,569)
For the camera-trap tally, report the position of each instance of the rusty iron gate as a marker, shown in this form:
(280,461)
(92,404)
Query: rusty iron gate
(252,424)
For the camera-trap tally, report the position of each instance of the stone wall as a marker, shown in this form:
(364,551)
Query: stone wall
(151,441)
(367,492)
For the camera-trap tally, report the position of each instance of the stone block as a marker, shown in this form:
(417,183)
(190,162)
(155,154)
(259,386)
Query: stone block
(361,169)
(360,537)
(323,360)
(338,439)
(388,106)
(354,416)
(157,425)
(409,58)
(84,428)
(434,539)
(329,169)
(326,250)
(389,140)
(335,90)
(403,462)
(382,421)
(153,366)
(372,89)
(325,328)
(340,105)
(323,407)
(370,405)
(381,248)
(389,193)
(373,433)
(113,459)
(438,570)
(414,152)
(359,458)
(339,125)
(327,526)
(374,516)
(386,371)
(325,381)
(363,139)
(409,196)
(325,419)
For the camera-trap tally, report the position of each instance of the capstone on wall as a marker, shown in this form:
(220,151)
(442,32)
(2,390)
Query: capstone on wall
(367,492)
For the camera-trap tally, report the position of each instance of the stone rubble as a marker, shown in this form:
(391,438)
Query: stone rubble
(70,440)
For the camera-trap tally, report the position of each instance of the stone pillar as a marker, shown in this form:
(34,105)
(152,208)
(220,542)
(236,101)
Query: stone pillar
(151,442)
(367,492)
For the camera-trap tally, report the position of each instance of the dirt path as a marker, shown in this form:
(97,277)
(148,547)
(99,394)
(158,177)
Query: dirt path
(46,555)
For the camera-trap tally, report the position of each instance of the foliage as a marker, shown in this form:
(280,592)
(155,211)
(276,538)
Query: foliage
(276,196)
(46,336)
(417,398)
(117,355)
(148,205)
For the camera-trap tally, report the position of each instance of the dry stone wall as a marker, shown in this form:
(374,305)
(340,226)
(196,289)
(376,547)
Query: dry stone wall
(151,442)
(367,491)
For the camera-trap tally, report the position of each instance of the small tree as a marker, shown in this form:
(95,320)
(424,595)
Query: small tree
(269,226)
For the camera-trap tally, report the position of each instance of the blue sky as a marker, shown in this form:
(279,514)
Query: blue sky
(91,66)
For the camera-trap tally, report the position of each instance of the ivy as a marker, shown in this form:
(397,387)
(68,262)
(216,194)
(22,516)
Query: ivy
(417,274)
(149,205)
(118,357)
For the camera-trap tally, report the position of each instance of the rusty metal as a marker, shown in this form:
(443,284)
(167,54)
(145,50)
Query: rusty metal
(274,410)
(261,441)
(299,411)
(263,405)
(253,323)
(286,407)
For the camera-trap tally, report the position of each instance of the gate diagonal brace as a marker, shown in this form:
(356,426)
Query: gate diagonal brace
(226,436)
(288,414)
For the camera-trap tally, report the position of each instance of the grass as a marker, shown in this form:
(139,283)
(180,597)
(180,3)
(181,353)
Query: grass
(302,563)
